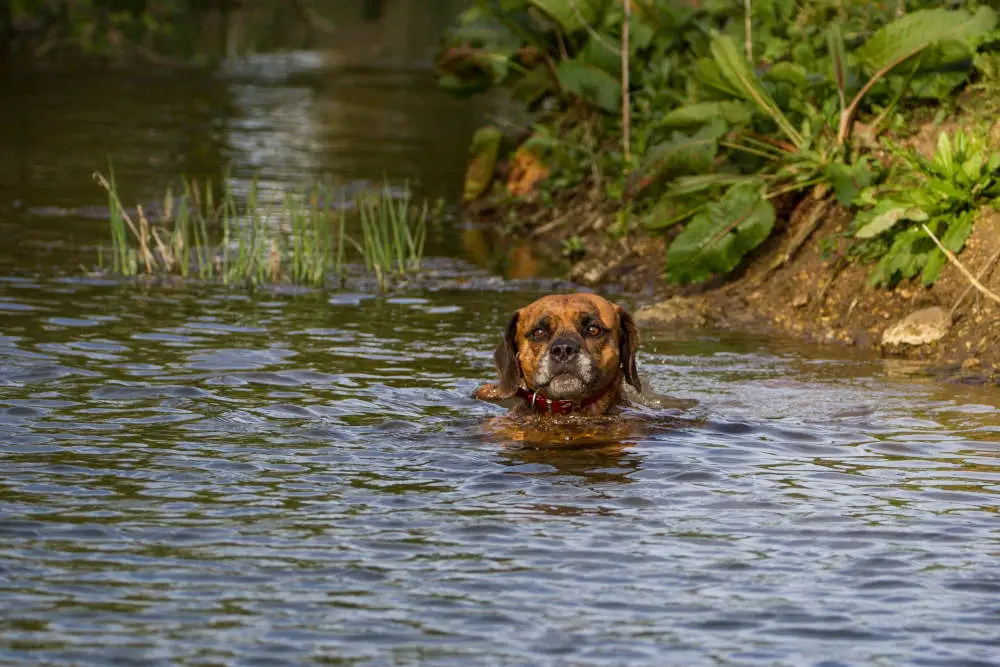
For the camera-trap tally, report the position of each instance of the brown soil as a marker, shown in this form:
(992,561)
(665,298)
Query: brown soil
(814,295)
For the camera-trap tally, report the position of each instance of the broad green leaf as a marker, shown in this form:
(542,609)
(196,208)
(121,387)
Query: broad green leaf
(604,53)
(571,15)
(885,216)
(670,211)
(641,34)
(707,72)
(734,113)
(787,72)
(689,185)
(903,260)
(681,154)
(918,30)
(715,240)
(849,180)
(734,68)
(959,229)
(591,84)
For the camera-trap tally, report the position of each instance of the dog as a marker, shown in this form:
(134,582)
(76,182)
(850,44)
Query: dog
(566,354)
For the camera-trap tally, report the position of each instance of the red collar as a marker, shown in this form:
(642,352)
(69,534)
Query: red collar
(539,403)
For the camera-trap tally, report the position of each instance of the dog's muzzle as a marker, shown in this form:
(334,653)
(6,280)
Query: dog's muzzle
(564,372)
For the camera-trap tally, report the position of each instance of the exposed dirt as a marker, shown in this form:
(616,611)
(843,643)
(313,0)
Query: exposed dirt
(815,295)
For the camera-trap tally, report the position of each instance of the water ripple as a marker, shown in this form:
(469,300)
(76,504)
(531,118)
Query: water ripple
(284,480)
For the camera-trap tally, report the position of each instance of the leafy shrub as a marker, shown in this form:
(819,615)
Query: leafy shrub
(723,120)
(943,193)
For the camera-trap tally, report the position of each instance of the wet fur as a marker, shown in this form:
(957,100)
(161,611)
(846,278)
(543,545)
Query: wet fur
(523,362)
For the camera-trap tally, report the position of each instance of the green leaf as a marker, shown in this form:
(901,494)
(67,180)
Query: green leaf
(689,185)
(715,240)
(641,34)
(670,211)
(918,30)
(849,180)
(787,72)
(591,84)
(959,229)
(571,15)
(885,216)
(682,154)
(838,60)
(903,260)
(734,113)
(734,68)
(599,52)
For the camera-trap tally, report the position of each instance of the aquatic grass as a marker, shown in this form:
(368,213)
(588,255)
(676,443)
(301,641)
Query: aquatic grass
(393,232)
(205,233)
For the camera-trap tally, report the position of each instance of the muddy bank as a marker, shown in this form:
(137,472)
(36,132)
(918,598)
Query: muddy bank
(799,282)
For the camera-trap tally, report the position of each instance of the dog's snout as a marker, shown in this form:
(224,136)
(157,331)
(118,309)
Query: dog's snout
(564,349)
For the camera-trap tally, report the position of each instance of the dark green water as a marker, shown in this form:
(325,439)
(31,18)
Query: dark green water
(202,476)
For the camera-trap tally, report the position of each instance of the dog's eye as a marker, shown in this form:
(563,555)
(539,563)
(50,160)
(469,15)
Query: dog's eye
(593,331)
(538,333)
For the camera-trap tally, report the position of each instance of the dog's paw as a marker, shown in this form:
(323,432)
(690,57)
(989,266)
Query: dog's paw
(488,392)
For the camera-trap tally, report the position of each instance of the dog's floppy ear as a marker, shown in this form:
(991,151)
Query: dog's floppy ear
(628,343)
(506,360)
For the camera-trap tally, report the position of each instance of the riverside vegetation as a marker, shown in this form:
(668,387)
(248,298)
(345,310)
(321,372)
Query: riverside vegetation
(705,122)
(209,235)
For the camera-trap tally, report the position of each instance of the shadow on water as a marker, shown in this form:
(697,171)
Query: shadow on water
(203,476)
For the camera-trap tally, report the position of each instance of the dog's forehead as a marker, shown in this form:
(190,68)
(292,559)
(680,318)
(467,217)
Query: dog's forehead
(568,307)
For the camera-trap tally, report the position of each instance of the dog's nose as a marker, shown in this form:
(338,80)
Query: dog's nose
(564,349)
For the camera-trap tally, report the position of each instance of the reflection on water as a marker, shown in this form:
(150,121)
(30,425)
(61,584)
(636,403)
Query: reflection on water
(290,118)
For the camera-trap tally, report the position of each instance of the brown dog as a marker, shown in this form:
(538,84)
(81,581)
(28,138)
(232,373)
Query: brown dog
(566,354)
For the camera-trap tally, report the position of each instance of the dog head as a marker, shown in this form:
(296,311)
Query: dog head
(568,347)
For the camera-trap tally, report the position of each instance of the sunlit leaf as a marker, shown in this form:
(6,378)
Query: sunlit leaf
(716,239)
(885,216)
(918,30)
(735,69)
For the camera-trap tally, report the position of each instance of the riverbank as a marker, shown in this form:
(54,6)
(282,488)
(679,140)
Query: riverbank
(814,172)
(801,281)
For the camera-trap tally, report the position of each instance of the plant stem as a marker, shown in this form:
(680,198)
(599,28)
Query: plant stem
(747,26)
(626,98)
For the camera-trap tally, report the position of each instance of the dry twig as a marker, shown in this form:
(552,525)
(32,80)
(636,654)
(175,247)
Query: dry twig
(961,267)
(626,99)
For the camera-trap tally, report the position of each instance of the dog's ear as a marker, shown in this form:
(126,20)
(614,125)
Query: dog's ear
(506,360)
(628,343)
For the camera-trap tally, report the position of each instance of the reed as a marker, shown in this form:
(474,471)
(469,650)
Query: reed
(393,233)
(205,233)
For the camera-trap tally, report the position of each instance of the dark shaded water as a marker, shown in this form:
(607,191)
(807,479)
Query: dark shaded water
(201,476)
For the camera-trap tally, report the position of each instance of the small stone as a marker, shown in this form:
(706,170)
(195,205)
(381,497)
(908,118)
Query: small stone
(687,311)
(800,300)
(971,363)
(919,328)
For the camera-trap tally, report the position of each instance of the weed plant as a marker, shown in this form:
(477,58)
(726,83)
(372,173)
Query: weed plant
(201,235)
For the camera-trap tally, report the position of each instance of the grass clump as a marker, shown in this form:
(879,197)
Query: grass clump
(701,120)
(202,234)
(393,233)
(941,194)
